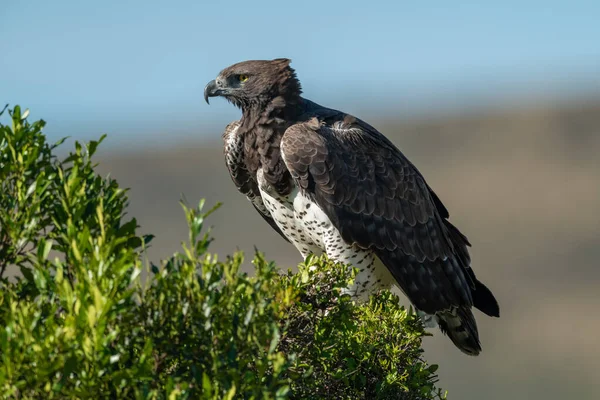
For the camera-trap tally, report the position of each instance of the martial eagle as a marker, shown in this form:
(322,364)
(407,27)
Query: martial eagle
(330,182)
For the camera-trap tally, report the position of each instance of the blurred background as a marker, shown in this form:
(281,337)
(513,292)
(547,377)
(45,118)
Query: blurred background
(498,104)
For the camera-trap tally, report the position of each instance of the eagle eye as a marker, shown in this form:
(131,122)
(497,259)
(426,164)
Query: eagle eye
(243,77)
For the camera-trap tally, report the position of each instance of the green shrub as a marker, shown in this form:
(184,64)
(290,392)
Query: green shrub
(80,322)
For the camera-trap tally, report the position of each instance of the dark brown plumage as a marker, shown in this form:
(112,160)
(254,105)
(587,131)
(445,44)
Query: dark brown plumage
(286,146)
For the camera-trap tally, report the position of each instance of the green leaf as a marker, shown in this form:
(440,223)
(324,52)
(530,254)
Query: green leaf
(154,269)
(27,274)
(147,239)
(230,394)
(128,228)
(47,248)
(206,384)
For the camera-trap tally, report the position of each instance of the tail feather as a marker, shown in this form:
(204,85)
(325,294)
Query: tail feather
(460,326)
(484,300)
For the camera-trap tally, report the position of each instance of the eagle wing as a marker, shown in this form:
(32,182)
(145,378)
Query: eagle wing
(377,199)
(234,158)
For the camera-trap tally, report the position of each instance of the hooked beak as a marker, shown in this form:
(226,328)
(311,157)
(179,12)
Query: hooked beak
(212,90)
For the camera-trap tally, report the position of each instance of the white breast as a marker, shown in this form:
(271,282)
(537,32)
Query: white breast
(305,224)
(283,213)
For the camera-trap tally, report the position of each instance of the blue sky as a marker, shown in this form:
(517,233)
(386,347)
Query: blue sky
(138,67)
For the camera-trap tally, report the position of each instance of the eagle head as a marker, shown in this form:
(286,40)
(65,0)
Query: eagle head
(255,82)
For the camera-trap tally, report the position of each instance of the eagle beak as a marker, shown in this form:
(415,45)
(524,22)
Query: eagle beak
(210,90)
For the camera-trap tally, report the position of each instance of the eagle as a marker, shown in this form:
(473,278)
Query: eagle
(329,182)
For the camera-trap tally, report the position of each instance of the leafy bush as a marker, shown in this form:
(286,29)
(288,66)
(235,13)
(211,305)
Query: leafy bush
(80,322)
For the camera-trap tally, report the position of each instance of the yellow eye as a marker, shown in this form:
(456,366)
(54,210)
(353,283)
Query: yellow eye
(243,78)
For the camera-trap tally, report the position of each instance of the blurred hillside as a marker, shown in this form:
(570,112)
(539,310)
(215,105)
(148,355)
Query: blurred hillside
(522,184)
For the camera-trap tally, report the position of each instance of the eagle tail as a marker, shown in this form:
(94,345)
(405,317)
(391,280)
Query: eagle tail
(484,300)
(460,326)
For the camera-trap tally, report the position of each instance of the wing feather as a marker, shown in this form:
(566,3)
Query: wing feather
(377,199)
